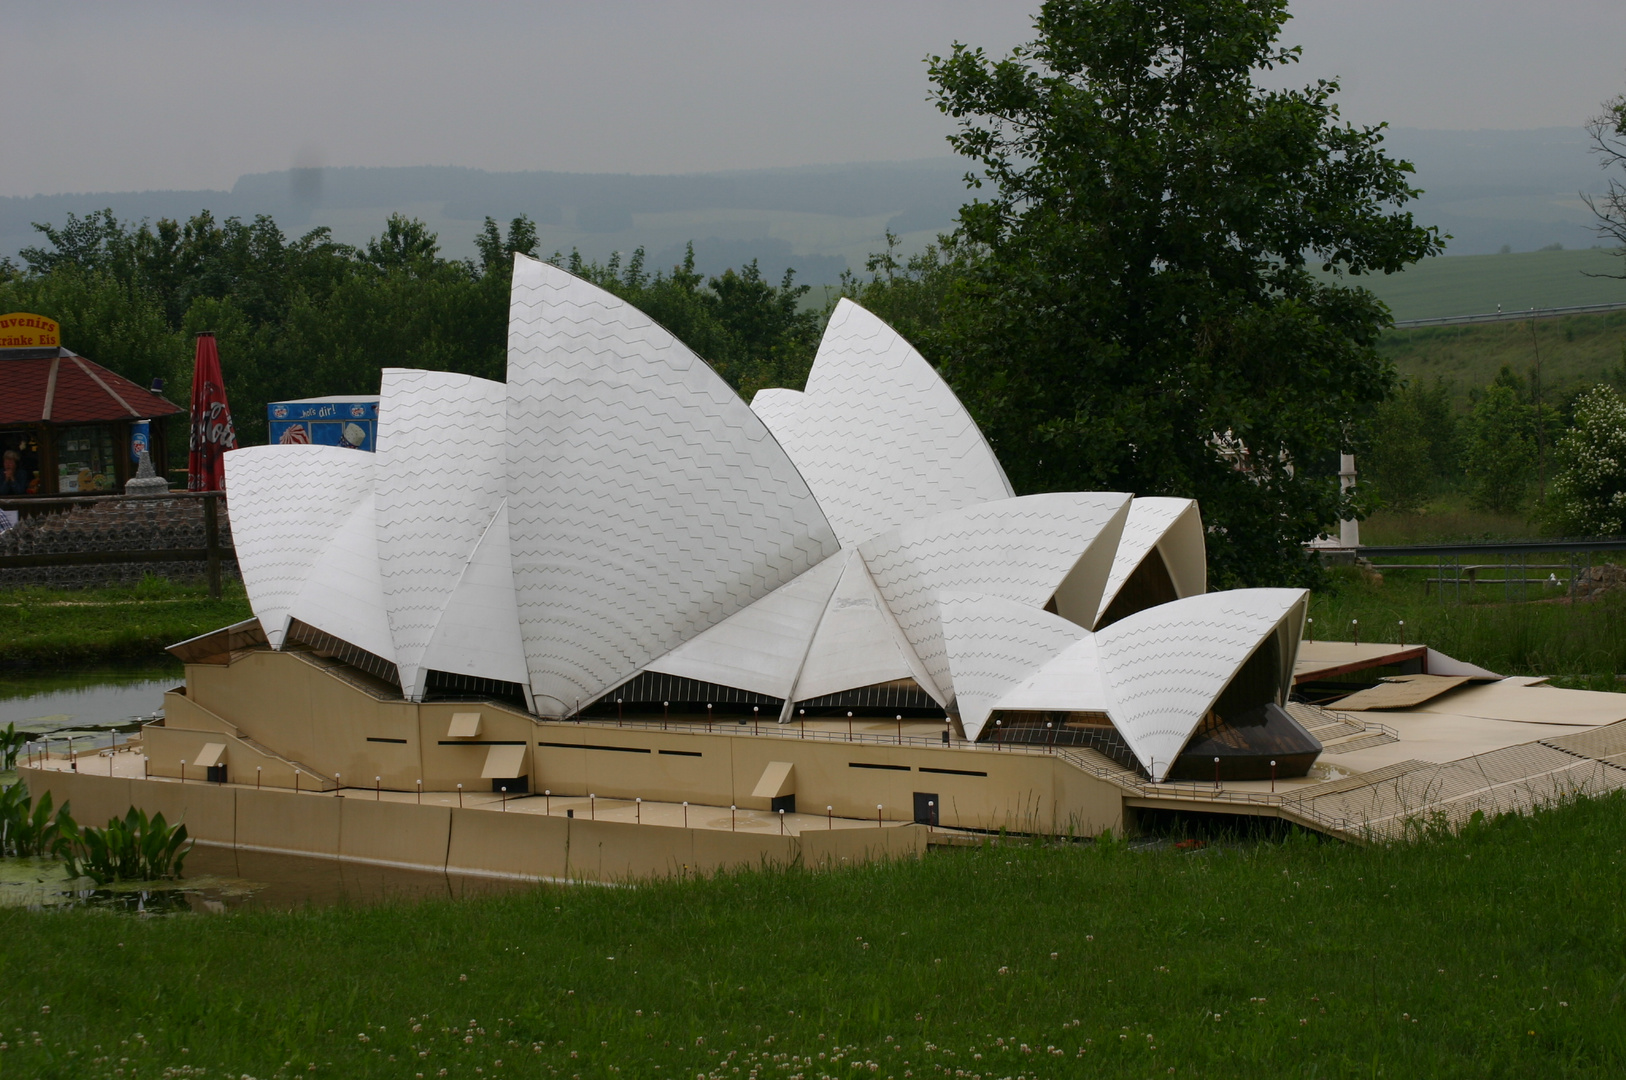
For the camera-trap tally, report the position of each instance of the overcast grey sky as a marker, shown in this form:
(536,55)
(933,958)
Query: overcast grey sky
(132,95)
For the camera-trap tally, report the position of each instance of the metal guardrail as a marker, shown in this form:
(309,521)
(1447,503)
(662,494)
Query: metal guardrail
(1510,547)
(1508,316)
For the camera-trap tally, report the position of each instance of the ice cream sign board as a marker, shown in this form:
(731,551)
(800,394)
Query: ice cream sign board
(335,421)
(20,330)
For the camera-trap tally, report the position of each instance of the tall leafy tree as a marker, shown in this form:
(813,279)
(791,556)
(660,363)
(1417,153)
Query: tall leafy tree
(1138,310)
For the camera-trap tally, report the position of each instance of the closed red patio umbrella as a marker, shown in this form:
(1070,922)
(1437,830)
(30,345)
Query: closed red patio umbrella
(212,433)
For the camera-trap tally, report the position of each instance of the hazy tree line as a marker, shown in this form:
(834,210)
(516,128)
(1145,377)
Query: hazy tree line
(311,316)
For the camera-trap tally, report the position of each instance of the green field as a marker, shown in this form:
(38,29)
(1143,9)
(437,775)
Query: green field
(1454,285)
(135,622)
(1576,351)
(1495,954)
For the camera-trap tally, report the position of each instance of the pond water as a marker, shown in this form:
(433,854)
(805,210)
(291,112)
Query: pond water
(104,705)
(109,704)
(218,880)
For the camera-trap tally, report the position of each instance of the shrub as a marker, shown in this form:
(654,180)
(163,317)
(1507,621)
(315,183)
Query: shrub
(27,829)
(132,848)
(1589,490)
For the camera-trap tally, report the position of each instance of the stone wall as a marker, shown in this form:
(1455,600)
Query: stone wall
(116,525)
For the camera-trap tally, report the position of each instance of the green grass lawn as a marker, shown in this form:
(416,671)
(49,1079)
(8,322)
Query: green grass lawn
(1496,953)
(1584,644)
(136,622)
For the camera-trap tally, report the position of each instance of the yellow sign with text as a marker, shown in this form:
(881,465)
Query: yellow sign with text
(20,330)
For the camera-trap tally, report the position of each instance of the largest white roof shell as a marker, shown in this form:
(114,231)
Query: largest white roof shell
(647,502)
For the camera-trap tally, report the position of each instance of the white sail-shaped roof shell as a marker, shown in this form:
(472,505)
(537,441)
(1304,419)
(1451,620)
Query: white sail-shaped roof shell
(1164,667)
(859,642)
(477,632)
(993,645)
(1023,550)
(442,471)
(761,648)
(343,594)
(877,434)
(1174,529)
(647,502)
(286,505)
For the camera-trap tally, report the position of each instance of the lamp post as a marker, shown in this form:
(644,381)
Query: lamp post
(1273,776)
(829,817)
(685,814)
(1216,774)
(505,798)
(781,822)
(378,789)
(849,725)
(420,792)
(638,811)
(183,770)
(900,729)
(731,809)
(877,815)
(460,796)
(257,772)
(592,806)
(1355,626)
(547,801)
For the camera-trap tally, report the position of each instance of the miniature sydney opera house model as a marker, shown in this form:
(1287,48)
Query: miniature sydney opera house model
(608,588)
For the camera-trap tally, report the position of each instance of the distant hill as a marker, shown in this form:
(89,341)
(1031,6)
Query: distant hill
(1488,189)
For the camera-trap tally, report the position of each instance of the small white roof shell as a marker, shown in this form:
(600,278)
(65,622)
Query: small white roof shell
(1023,550)
(442,471)
(1172,527)
(478,630)
(285,506)
(858,642)
(878,434)
(343,594)
(993,645)
(647,502)
(1164,667)
(760,649)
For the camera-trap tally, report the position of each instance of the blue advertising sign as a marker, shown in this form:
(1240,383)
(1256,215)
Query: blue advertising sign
(350,422)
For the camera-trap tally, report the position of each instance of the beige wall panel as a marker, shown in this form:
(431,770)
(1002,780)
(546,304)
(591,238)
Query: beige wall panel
(449,762)
(527,845)
(617,851)
(614,774)
(208,811)
(1084,805)
(267,695)
(182,712)
(284,821)
(850,847)
(715,850)
(92,799)
(395,832)
(166,747)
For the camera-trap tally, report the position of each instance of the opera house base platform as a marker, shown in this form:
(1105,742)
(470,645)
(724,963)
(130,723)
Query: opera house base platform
(359,773)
